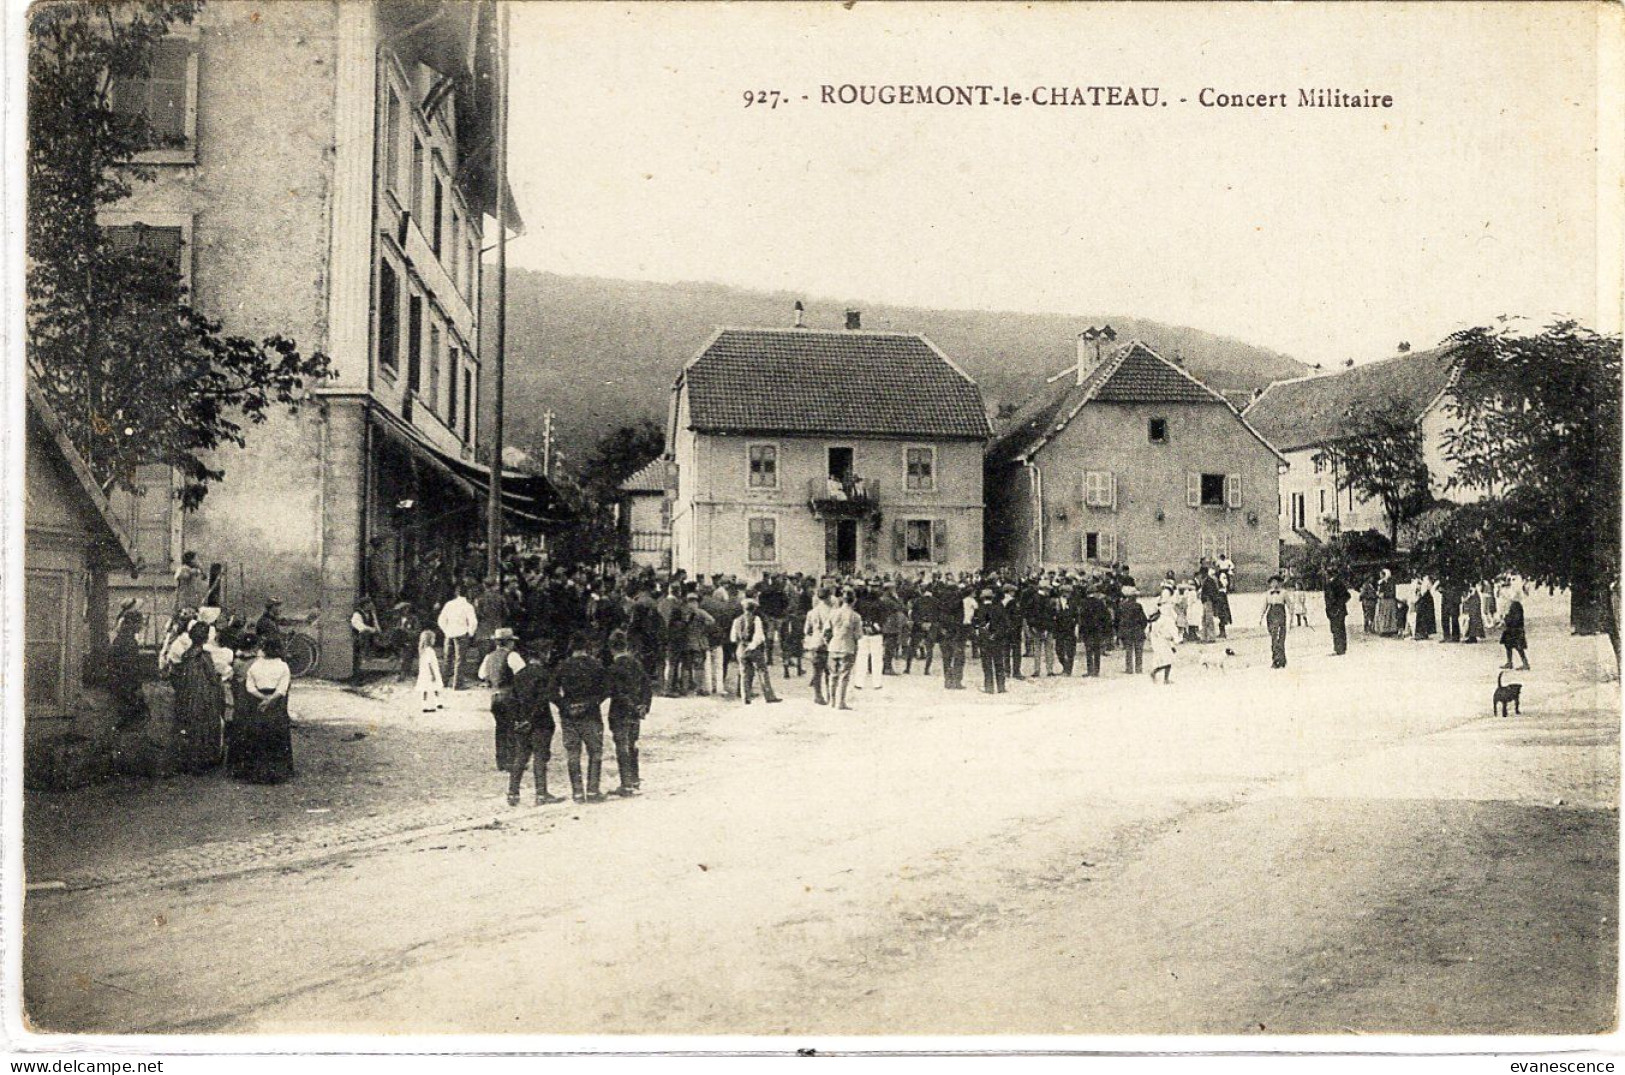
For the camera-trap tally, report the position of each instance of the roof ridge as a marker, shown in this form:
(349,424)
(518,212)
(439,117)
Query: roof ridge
(810,331)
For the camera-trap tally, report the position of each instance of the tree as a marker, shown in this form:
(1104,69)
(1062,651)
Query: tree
(136,374)
(1538,425)
(595,492)
(1380,458)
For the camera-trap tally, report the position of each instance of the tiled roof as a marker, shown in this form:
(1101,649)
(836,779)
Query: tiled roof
(1135,374)
(853,383)
(649,478)
(1310,410)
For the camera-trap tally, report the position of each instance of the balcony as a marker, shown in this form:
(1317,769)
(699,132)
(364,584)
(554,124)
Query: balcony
(651,540)
(852,498)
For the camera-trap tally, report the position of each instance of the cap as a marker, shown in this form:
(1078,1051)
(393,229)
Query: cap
(503,634)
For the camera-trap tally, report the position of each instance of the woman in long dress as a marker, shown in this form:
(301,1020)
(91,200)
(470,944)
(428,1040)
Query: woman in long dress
(1472,605)
(262,746)
(1387,605)
(1165,635)
(1513,639)
(199,706)
(125,671)
(1426,619)
(1273,617)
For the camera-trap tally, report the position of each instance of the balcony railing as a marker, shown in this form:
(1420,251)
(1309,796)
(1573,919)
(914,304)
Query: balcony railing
(843,499)
(651,540)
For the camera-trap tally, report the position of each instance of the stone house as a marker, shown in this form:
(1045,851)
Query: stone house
(825,452)
(1127,458)
(1304,415)
(350,217)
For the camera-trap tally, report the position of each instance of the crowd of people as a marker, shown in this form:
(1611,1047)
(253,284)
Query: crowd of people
(230,688)
(553,640)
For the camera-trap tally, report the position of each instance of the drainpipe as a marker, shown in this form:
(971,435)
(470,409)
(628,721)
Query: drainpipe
(1035,481)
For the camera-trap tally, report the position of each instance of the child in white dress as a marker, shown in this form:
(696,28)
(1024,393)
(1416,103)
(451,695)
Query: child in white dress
(429,682)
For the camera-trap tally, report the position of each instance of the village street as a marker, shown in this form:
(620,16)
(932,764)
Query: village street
(1349,845)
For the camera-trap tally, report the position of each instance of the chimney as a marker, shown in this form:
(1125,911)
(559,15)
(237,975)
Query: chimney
(800,315)
(1091,349)
(854,320)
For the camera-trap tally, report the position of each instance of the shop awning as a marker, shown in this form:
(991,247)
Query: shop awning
(528,500)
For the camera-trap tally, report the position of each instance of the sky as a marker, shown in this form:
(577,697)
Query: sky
(1324,233)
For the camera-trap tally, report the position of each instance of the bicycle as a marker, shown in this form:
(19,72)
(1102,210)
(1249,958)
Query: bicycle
(301,652)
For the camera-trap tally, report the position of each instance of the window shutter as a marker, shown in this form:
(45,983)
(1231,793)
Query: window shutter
(1083,489)
(1111,487)
(1232,490)
(899,540)
(1108,548)
(1080,545)
(939,540)
(1193,490)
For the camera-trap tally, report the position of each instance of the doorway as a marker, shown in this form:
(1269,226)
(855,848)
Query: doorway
(840,464)
(841,547)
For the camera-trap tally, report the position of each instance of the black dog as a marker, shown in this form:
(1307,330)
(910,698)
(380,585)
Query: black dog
(1506,694)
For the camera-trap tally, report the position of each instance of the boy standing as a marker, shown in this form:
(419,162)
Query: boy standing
(630,693)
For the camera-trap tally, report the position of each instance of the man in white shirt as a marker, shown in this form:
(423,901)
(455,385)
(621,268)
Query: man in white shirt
(749,637)
(498,669)
(457,625)
(815,641)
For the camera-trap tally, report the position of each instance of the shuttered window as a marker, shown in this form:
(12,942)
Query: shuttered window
(920,468)
(1100,489)
(1096,547)
(389,318)
(918,546)
(163,96)
(763,534)
(764,466)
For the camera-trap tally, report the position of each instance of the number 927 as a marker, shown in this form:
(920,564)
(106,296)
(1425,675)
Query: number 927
(769,98)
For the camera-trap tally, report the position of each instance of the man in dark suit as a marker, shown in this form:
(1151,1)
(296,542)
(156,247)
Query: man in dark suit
(1337,610)
(532,724)
(992,626)
(1064,626)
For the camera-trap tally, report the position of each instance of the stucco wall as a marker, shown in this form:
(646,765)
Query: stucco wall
(1353,511)
(1151,478)
(714,501)
(259,199)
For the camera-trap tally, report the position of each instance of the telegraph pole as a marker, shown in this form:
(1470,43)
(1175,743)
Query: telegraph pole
(493,508)
(547,443)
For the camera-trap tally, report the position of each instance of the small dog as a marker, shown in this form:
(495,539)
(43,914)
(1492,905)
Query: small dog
(1506,694)
(1216,661)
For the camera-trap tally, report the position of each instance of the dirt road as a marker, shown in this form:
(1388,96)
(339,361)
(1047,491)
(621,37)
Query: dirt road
(1347,845)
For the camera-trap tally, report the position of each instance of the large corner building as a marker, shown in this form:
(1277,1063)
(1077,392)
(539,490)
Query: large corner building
(350,216)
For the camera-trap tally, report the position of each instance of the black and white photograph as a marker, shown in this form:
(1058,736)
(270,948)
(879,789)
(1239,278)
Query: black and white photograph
(585,526)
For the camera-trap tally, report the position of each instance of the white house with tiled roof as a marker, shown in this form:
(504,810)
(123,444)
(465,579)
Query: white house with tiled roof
(1127,458)
(826,453)
(646,516)
(1306,414)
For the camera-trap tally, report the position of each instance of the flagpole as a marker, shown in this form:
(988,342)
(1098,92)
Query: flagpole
(493,518)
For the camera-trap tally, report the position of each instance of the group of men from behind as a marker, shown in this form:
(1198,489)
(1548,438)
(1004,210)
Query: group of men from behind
(526,692)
